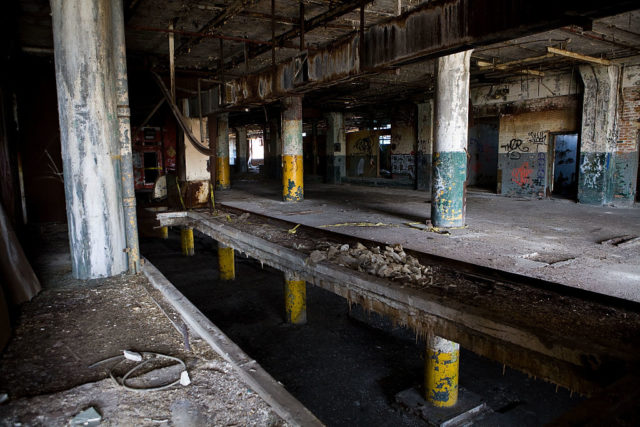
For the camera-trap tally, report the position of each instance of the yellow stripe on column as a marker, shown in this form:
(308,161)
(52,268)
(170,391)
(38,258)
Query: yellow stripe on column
(164,232)
(186,239)
(292,178)
(295,299)
(223,176)
(441,372)
(226,262)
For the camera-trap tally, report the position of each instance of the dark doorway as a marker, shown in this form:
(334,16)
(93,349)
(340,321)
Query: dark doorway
(565,165)
(482,169)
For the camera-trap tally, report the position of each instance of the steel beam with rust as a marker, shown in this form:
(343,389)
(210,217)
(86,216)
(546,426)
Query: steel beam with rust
(431,30)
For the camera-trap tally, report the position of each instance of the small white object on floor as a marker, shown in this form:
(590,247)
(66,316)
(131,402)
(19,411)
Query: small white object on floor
(132,355)
(184,378)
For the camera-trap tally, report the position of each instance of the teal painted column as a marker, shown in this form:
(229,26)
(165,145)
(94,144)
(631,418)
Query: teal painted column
(599,134)
(449,172)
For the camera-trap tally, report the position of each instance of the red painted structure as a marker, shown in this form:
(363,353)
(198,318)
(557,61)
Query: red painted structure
(154,155)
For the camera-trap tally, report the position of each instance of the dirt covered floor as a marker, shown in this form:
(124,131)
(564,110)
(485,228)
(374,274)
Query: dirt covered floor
(596,248)
(71,324)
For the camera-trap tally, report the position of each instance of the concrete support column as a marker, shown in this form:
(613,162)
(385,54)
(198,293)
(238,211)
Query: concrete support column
(336,148)
(242,145)
(425,146)
(164,232)
(441,372)
(223,177)
(86,86)
(295,299)
(599,134)
(448,194)
(226,262)
(292,160)
(186,241)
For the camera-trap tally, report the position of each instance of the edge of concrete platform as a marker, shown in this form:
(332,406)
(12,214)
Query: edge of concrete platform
(282,402)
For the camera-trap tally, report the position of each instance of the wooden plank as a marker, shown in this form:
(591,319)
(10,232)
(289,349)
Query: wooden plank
(578,56)
(539,350)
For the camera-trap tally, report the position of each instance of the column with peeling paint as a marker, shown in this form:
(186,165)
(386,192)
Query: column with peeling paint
(223,176)
(599,134)
(449,173)
(292,171)
(441,372)
(336,148)
(242,146)
(86,87)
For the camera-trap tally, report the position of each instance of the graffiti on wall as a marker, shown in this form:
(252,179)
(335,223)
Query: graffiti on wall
(403,164)
(514,148)
(364,145)
(522,175)
(538,138)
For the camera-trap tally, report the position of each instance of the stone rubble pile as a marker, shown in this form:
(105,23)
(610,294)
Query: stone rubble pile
(390,263)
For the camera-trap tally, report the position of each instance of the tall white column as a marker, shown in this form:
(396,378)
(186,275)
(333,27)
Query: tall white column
(86,86)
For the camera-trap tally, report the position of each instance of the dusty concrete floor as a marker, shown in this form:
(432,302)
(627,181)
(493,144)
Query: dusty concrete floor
(553,239)
(72,324)
(345,366)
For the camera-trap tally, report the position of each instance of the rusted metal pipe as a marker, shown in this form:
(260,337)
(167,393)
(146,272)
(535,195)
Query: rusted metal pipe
(200,111)
(301,26)
(124,124)
(273,34)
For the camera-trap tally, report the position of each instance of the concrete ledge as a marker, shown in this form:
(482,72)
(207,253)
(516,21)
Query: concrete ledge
(282,402)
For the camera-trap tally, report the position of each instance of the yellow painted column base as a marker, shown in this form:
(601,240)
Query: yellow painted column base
(223,174)
(186,240)
(226,262)
(164,232)
(441,372)
(292,178)
(295,299)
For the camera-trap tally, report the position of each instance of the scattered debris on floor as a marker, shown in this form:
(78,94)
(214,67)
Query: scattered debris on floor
(359,224)
(45,377)
(390,263)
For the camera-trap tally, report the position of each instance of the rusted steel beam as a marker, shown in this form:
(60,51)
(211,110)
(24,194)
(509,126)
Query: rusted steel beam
(434,29)
(231,10)
(199,35)
(317,21)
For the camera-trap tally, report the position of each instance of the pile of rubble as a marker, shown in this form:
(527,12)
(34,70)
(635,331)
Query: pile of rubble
(391,263)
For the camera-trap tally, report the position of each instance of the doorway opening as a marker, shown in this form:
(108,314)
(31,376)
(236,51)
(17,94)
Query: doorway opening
(565,166)
(482,165)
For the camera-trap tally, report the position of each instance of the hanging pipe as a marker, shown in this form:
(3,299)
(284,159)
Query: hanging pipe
(124,136)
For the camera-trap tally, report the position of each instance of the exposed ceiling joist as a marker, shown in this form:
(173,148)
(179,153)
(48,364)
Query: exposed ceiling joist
(309,24)
(234,7)
(578,56)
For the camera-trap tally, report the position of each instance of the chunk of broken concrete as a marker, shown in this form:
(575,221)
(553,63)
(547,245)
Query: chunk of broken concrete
(88,417)
(317,256)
